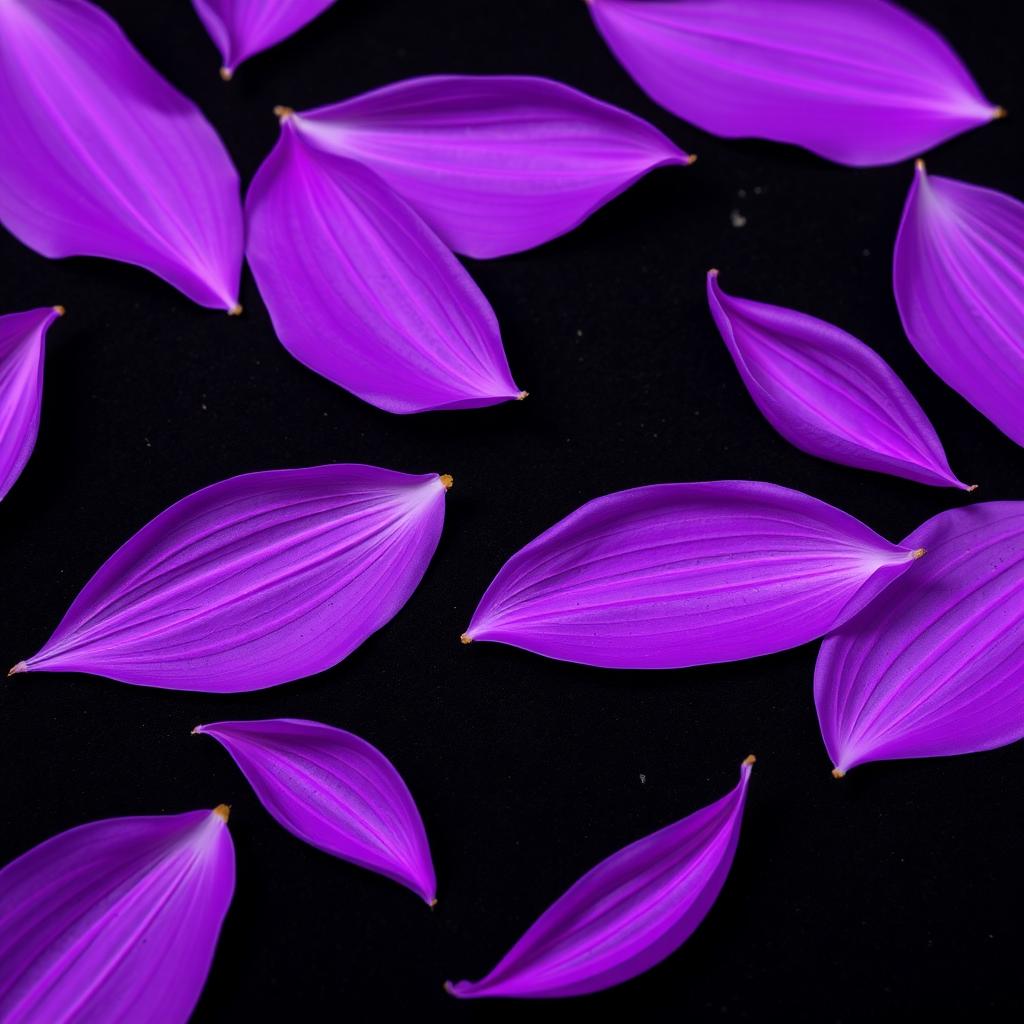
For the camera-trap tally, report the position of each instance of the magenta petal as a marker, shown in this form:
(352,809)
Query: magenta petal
(828,393)
(362,291)
(22,344)
(687,574)
(253,581)
(627,914)
(116,920)
(495,164)
(935,666)
(958,273)
(857,81)
(334,791)
(100,156)
(241,28)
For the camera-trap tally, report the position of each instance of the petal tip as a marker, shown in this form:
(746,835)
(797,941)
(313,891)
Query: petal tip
(464,639)
(522,395)
(20,667)
(197,731)
(713,274)
(690,160)
(226,74)
(223,811)
(59,310)
(970,488)
(235,310)
(283,113)
(998,113)
(919,166)
(749,760)
(838,773)
(447,480)
(432,902)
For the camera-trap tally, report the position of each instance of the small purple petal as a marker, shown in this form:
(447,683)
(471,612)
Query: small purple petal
(958,274)
(241,28)
(687,574)
(334,791)
(116,920)
(254,581)
(494,164)
(828,393)
(100,156)
(362,291)
(22,344)
(935,666)
(625,915)
(857,81)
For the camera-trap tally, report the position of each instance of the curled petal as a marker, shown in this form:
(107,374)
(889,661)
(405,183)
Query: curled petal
(828,393)
(936,665)
(241,28)
(857,81)
(958,273)
(334,791)
(628,913)
(22,344)
(115,920)
(253,581)
(687,574)
(362,291)
(494,164)
(100,156)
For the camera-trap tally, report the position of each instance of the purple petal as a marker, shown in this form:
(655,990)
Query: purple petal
(496,164)
(935,666)
(22,343)
(362,291)
(958,274)
(334,791)
(254,581)
(116,920)
(100,156)
(241,28)
(627,914)
(857,81)
(687,574)
(828,393)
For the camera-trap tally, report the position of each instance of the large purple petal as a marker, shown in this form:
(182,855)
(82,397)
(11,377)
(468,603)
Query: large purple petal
(22,345)
(687,574)
(828,393)
(334,791)
(936,665)
(857,81)
(958,273)
(241,28)
(253,581)
(495,164)
(100,156)
(628,913)
(116,920)
(362,291)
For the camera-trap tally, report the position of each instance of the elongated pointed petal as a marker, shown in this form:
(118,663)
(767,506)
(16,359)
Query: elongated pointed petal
(628,913)
(334,791)
(241,28)
(936,665)
(115,920)
(857,81)
(22,345)
(828,393)
(495,164)
(958,273)
(254,581)
(687,574)
(100,156)
(362,291)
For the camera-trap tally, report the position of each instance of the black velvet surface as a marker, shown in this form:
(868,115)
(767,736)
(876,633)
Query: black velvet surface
(894,890)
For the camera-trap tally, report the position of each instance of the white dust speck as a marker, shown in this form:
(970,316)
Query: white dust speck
(643,779)
(737,219)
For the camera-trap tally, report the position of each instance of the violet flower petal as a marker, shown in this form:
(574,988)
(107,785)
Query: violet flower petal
(494,164)
(242,28)
(687,574)
(253,581)
(22,345)
(935,666)
(857,81)
(115,920)
(334,791)
(100,156)
(958,274)
(625,915)
(828,393)
(362,291)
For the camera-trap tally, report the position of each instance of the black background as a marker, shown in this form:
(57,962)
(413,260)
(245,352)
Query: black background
(897,888)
